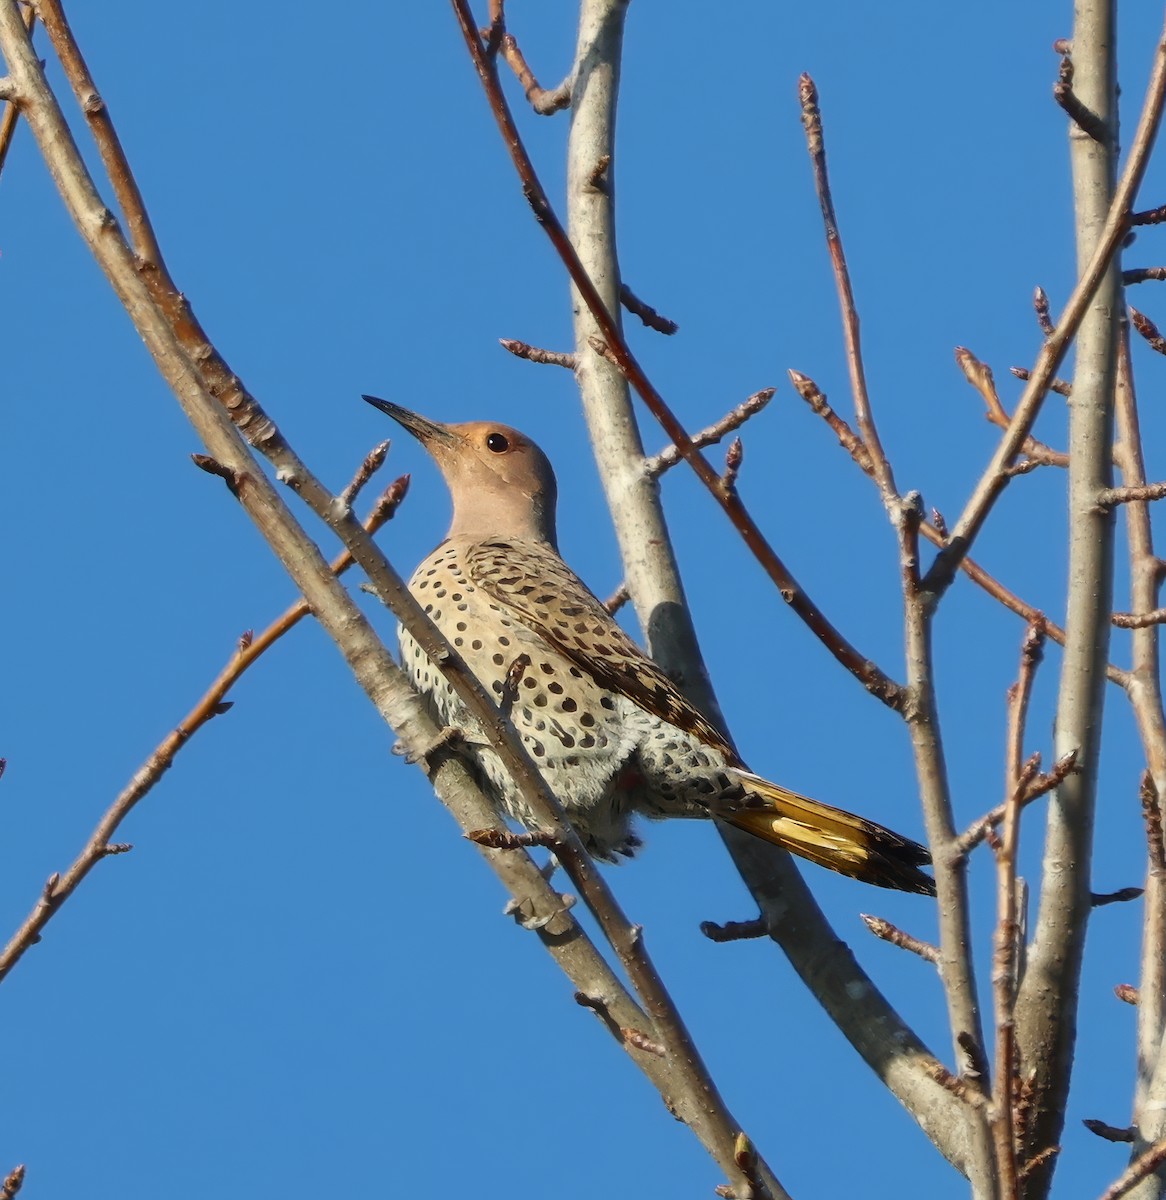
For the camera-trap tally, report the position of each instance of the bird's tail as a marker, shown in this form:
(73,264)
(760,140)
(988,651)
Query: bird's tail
(831,837)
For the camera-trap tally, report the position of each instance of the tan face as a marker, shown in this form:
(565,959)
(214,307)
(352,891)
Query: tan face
(490,455)
(502,484)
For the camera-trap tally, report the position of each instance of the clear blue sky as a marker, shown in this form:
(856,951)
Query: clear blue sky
(300,981)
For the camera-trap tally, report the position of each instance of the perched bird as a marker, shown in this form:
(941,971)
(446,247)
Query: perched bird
(610,733)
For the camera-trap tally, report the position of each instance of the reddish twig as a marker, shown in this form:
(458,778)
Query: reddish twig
(1019,776)
(535,354)
(864,417)
(872,677)
(113,158)
(1061,386)
(373,461)
(935,531)
(1038,786)
(883,929)
(1148,330)
(979,375)
(544,101)
(647,314)
(847,438)
(734,419)
(1143,275)
(1108,243)
(212,704)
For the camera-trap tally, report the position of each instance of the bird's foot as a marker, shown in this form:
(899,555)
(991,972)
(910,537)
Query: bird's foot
(448,740)
(520,910)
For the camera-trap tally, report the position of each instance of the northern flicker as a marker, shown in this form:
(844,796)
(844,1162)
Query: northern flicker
(610,733)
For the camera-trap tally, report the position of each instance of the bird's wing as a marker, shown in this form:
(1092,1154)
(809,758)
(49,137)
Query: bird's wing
(548,597)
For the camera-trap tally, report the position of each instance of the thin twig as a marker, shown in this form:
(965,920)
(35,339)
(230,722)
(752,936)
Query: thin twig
(222,412)
(544,101)
(1040,785)
(869,674)
(1083,117)
(979,375)
(113,158)
(1019,776)
(1061,386)
(373,462)
(847,438)
(1148,331)
(1108,497)
(1149,216)
(1143,620)
(1121,896)
(864,417)
(212,704)
(650,317)
(535,354)
(1126,993)
(883,929)
(11,115)
(994,480)
(937,535)
(1146,701)
(1143,275)
(1109,1133)
(711,434)
(735,931)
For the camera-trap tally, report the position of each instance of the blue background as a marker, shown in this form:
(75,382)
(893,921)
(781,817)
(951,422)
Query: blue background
(301,980)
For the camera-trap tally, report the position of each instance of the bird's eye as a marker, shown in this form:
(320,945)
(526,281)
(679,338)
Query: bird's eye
(497,442)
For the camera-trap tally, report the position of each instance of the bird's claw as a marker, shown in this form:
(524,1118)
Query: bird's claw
(517,909)
(448,739)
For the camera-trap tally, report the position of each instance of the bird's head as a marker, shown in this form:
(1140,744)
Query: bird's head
(501,483)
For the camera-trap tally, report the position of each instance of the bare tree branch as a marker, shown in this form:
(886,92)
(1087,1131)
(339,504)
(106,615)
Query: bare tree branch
(221,410)
(213,703)
(602,20)
(1045,1023)
(795,920)
(1093,271)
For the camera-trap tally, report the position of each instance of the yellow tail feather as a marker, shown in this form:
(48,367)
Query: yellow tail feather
(832,837)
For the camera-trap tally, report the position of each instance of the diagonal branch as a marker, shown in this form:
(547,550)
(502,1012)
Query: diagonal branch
(1094,270)
(224,413)
(212,704)
(606,321)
